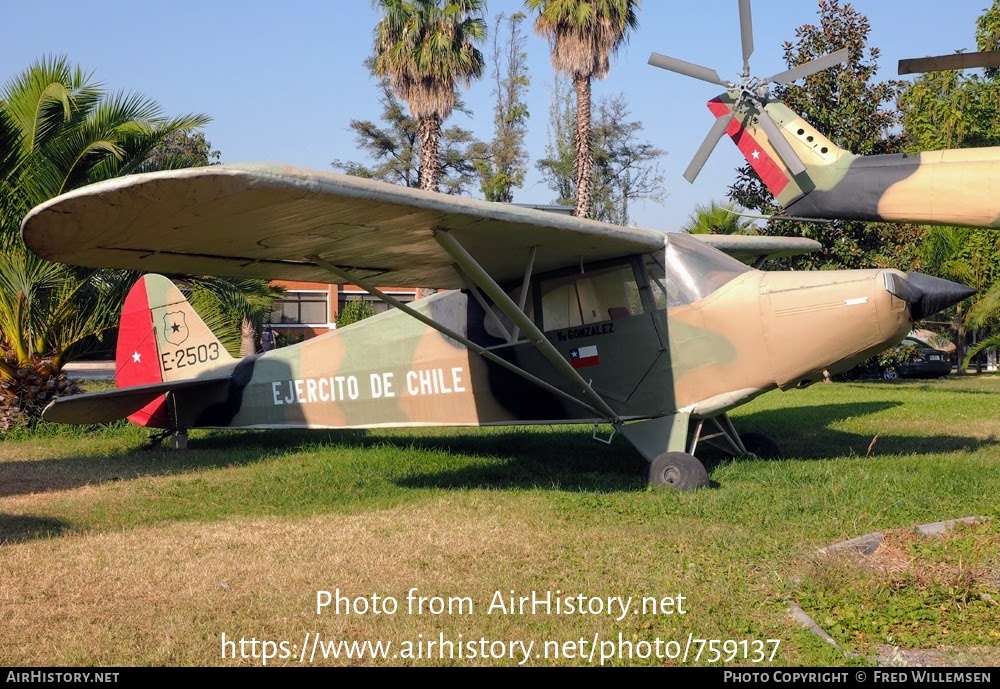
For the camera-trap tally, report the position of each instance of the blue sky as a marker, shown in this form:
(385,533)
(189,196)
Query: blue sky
(282,80)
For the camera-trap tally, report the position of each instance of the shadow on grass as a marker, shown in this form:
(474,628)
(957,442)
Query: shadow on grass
(515,457)
(563,458)
(19,528)
(806,433)
(498,458)
(218,450)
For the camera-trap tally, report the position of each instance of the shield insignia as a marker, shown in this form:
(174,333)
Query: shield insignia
(175,329)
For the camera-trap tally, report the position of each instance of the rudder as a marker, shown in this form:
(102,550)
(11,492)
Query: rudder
(161,338)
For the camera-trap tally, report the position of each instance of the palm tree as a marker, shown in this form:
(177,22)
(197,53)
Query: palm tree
(224,302)
(963,255)
(59,131)
(583,34)
(426,48)
(719,218)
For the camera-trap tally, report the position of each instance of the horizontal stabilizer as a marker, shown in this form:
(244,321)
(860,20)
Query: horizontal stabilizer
(105,407)
(751,248)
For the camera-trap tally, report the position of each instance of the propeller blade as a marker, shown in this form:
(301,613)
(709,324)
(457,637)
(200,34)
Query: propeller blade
(940,63)
(811,67)
(706,148)
(780,144)
(746,34)
(672,64)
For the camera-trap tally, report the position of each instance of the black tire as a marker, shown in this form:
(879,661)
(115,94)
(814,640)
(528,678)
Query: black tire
(760,445)
(889,374)
(678,470)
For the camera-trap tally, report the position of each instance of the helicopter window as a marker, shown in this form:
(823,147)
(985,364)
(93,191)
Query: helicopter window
(690,271)
(596,295)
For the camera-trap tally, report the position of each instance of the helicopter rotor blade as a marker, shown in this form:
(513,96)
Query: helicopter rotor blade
(746,34)
(940,63)
(780,144)
(707,146)
(689,69)
(811,67)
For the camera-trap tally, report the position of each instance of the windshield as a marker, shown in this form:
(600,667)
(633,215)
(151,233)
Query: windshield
(689,271)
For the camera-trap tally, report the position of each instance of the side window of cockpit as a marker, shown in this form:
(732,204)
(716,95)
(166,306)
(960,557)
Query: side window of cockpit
(663,290)
(596,295)
(490,322)
(560,304)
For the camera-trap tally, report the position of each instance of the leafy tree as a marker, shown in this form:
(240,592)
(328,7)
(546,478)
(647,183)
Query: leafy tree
(426,49)
(583,35)
(968,256)
(394,149)
(953,109)
(854,111)
(558,167)
(719,218)
(625,168)
(502,163)
(354,310)
(61,131)
(182,149)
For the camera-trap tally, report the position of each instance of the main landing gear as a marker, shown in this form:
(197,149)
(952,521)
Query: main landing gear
(678,470)
(684,471)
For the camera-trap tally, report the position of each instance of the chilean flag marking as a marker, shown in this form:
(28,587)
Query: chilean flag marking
(584,356)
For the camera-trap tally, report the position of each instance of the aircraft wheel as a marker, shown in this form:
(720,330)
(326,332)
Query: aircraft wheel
(761,445)
(889,374)
(678,470)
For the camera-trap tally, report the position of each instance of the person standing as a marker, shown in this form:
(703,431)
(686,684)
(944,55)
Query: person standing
(267,339)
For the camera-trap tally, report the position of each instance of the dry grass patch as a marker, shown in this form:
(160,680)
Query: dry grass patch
(165,595)
(938,596)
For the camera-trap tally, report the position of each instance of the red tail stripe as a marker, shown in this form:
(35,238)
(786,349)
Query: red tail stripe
(774,174)
(137,356)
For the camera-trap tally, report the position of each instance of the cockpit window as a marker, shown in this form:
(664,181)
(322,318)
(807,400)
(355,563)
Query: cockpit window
(689,271)
(600,294)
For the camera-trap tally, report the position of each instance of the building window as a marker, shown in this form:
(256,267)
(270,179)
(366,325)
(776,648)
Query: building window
(301,308)
(378,306)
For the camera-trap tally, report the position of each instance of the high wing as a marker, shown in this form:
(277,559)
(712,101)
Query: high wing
(753,249)
(281,222)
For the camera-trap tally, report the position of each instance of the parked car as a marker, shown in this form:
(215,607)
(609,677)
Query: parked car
(927,360)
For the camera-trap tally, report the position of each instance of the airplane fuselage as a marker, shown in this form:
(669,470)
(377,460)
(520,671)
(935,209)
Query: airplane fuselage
(702,354)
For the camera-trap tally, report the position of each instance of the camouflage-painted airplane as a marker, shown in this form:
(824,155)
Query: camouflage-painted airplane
(811,177)
(546,318)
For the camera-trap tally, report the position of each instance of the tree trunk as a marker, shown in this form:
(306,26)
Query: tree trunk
(960,344)
(584,150)
(430,163)
(248,338)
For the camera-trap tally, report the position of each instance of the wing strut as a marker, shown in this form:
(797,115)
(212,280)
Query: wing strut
(603,411)
(524,289)
(479,275)
(474,291)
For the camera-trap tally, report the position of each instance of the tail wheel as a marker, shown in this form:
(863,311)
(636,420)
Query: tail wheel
(678,470)
(761,445)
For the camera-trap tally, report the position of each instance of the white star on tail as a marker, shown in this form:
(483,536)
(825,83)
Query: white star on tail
(756,155)
(136,358)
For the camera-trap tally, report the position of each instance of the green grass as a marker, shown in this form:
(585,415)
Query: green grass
(473,511)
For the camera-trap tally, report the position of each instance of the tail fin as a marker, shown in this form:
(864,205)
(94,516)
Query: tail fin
(825,163)
(162,339)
